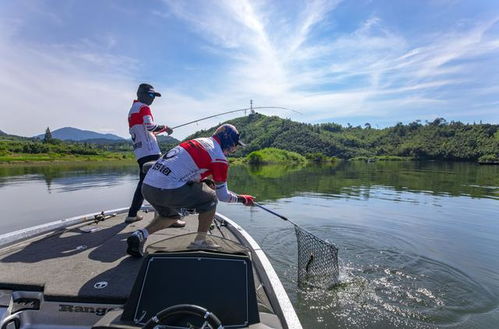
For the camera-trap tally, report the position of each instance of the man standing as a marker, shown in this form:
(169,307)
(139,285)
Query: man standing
(145,146)
(176,181)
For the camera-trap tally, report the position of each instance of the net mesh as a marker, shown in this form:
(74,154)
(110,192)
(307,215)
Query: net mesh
(317,260)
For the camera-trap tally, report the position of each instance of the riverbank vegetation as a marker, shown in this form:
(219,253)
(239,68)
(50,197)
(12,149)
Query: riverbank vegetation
(273,155)
(32,150)
(16,149)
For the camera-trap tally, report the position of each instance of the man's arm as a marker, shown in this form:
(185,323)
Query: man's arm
(162,128)
(220,170)
(149,122)
(223,193)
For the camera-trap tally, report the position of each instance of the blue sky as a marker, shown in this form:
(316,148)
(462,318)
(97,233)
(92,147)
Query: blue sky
(78,63)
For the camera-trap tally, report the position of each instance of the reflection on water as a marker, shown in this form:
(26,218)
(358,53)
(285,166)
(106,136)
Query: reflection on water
(417,241)
(67,177)
(360,179)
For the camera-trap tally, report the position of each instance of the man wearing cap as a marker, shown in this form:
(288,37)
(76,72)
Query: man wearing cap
(179,180)
(145,146)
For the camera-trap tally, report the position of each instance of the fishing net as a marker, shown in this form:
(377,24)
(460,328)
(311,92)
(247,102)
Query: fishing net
(317,260)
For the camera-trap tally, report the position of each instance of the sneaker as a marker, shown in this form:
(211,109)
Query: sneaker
(131,219)
(203,244)
(136,244)
(178,223)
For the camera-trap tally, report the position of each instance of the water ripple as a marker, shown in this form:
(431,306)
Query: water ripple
(389,287)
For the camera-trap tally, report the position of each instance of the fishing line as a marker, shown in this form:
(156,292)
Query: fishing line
(234,111)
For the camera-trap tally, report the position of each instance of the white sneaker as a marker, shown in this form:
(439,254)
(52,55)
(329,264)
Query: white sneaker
(203,244)
(131,219)
(178,223)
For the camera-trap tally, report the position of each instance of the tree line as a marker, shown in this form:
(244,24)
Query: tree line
(435,140)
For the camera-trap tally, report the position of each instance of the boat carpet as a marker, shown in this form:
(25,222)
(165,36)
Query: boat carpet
(84,263)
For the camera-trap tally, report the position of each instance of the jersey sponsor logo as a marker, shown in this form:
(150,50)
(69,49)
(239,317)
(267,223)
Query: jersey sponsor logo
(172,153)
(137,145)
(161,168)
(84,309)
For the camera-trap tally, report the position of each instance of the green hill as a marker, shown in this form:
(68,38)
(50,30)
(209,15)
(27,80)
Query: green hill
(436,140)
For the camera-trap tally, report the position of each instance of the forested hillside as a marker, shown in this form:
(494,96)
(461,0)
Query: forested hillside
(438,140)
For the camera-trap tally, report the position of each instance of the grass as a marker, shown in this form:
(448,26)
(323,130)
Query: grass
(274,155)
(14,158)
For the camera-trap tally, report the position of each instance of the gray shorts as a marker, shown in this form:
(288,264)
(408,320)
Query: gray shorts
(193,195)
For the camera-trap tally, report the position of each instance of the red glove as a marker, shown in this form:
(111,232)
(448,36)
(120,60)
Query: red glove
(247,200)
(168,130)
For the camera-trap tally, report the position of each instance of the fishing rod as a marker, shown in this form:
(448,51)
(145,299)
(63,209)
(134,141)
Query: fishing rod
(251,108)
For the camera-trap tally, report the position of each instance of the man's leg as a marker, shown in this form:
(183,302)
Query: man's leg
(138,238)
(205,220)
(159,223)
(138,199)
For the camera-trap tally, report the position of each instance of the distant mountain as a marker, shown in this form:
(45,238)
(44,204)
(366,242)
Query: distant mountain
(167,139)
(75,134)
(2,133)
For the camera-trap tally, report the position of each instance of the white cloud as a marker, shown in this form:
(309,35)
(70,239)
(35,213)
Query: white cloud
(274,55)
(314,75)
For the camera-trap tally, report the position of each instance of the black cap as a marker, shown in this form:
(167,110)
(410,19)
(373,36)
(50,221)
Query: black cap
(145,88)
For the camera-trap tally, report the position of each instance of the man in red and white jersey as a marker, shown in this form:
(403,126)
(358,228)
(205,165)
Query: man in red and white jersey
(178,180)
(145,146)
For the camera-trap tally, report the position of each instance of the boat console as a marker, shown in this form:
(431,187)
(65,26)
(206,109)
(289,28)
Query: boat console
(182,287)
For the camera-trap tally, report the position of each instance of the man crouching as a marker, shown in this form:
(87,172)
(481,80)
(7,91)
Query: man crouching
(175,181)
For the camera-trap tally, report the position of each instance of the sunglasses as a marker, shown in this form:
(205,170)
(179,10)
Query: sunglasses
(151,95)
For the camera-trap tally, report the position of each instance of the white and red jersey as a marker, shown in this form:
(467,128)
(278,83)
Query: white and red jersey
(192,160)
(141,126)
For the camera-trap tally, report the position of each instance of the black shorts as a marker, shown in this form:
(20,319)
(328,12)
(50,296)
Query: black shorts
(193,195)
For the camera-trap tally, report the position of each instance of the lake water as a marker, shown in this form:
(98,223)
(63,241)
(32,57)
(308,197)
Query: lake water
(418,242)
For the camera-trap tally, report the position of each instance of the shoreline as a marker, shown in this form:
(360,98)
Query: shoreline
(14,163)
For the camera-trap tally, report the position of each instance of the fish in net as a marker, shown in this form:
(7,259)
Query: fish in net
(317,260)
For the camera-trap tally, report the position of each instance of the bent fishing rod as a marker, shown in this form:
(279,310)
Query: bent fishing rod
(233,111)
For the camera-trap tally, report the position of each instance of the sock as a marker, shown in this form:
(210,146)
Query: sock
(201,236)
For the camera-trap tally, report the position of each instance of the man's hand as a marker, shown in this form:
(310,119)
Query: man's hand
(163,129)
(247,200)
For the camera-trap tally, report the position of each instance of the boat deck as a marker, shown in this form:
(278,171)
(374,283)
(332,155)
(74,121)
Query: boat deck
(73,264)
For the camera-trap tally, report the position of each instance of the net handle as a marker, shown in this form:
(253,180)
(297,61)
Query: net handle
(288,220)
(272,212)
